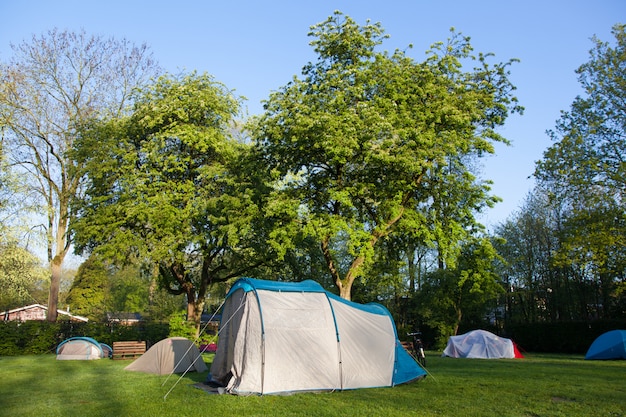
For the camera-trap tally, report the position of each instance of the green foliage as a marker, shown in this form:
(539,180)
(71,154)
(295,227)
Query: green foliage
(151,332)
(40,336)
(451,297)
(589,146)
(130,290)
(15,209)
(31,337)
(101,288)
(20,273)
(526,242)
(584,168)
(162,304)
(9,338)
(89,290)
(366,139)
(180,327)
(559,267)
(169,187)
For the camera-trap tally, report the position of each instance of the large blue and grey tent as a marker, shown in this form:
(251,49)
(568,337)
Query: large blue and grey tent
(278,337)
(609,345)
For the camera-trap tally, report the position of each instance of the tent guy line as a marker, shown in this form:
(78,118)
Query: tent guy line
(202,331)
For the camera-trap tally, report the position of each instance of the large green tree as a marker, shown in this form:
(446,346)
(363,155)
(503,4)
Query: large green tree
(360,142)
(49,86)
(168,186)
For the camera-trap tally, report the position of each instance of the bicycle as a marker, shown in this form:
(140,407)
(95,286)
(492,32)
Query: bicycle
(418,348)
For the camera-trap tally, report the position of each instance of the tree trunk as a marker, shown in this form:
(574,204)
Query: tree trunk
(412,269)
(55,285)
(194,311)
(56,266)
(192,303)
(345,290)
(459,316)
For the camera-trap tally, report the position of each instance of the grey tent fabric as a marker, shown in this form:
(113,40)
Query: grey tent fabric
(286,337)
(171,355)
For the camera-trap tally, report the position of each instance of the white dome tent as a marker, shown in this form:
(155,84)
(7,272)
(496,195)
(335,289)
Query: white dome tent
(82,348)
(481,344)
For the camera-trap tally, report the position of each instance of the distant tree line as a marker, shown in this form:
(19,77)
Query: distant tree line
(564,249)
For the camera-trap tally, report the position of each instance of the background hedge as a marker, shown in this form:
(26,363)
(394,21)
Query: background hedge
(36,337)
(569,337)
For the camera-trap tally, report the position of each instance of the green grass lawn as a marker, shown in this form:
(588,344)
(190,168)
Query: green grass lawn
(539,385)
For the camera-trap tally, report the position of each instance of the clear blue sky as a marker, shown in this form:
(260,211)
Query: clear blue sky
(255,47)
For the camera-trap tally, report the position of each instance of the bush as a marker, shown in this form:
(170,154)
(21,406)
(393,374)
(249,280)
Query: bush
(9,339)
(180,327)
(37,337)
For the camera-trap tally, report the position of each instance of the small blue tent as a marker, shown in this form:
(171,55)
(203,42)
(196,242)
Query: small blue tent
(82,348)
(610,345)
(278,337)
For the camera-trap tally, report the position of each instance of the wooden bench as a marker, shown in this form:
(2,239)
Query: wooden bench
(128,350)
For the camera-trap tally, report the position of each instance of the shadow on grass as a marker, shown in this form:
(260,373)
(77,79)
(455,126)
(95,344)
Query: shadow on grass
(69,387)
(43,386)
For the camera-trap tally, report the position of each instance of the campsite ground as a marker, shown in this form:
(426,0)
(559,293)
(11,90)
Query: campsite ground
(539,385)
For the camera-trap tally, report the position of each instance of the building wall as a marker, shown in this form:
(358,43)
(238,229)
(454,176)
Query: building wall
(35,313)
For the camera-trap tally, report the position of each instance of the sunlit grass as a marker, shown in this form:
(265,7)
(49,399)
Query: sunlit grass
(539,385)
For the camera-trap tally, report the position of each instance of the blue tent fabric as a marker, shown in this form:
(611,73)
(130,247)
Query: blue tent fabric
(86,339)
(610,345)
(251,284)
(406,369)
(106,350)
